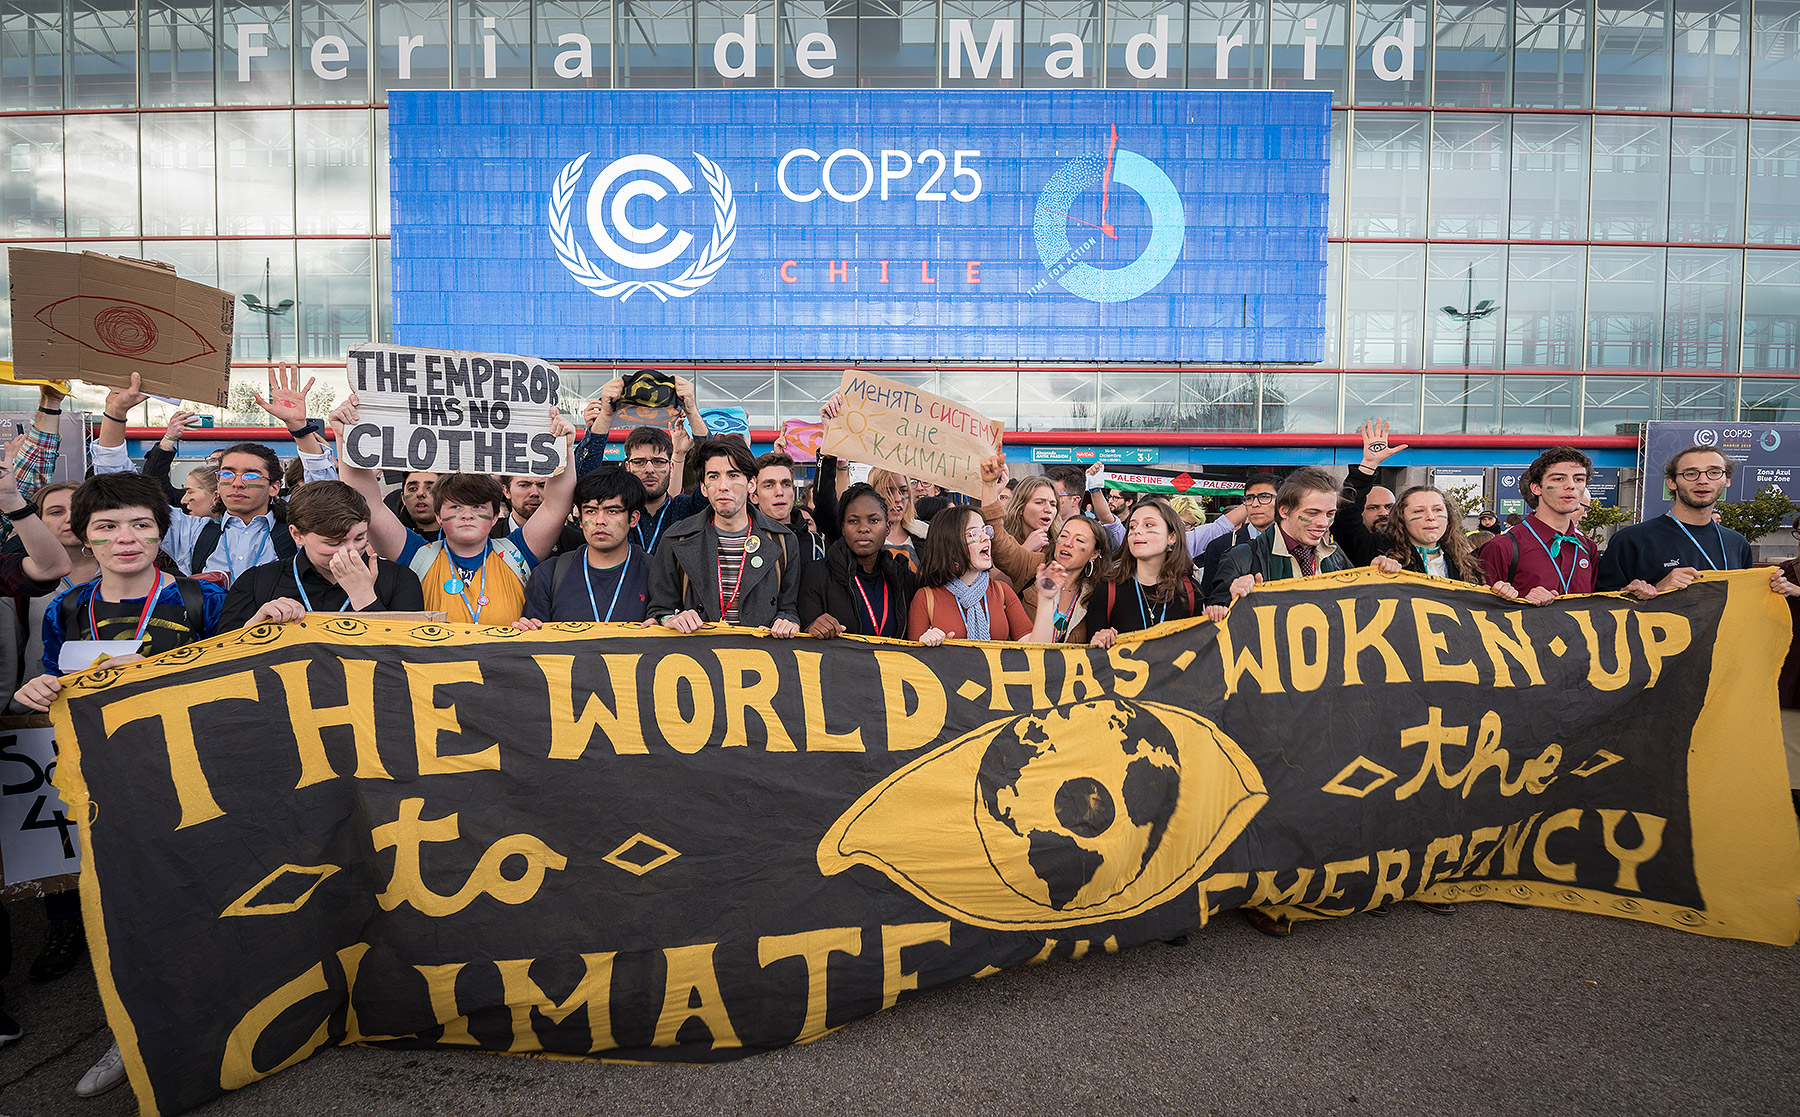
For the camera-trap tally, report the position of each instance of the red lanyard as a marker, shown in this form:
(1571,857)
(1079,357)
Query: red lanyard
(736,588)
(143,621)
(880,629)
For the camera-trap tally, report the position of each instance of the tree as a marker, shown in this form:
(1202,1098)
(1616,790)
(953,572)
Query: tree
(1603,516)
(1768,511)
(1467,498)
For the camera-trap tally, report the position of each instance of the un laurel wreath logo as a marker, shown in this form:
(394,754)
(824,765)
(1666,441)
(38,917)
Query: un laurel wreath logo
(575,258)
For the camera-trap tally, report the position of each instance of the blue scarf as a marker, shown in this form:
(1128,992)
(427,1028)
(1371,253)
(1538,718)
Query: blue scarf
(972,600)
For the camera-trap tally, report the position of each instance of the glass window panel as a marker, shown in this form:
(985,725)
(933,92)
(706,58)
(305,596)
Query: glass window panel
(1775,61)
(1624,312)
(1464,292)
(333,171)
(753,390)
(802,390)
(1468,403)
(1700,322)
(1774,187)
(264,268)
(178,53)
(1549,177)
(31,55)
(1383,306)
(1309,46)
(179,169)
(101,162)
(384,292)
(1334,306)
(256,174)
(1771,312)
(1706,180)
(1469,160)
(585,60)
(1544,291)
(1630,178)
(656,48)
(270,76)
(1697,399)
(103,43)
(414,40)
(1390,396)
(1630,64)
(493,44)
(5,312)
(1045,19)
(1538,405)
(986,20)
(835,20)
(197,260)
(335,291)
(333,72)
(994,394)
(896,43)
(1146,401)
(1161,21)
(1471,41)
(1222,400)
(1617,404)
(1393,52)
(383,204)
(1300,402)
(1770,401)
(1387,175)
(1215,20)
(1055,400)
(1550,54)
(1710,75)
(1340,169)
(31,190)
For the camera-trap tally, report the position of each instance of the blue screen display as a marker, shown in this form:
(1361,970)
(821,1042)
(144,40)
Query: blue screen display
(941,225)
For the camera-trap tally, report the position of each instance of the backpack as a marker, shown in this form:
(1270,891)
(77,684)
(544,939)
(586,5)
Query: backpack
(208,542)
(193,607)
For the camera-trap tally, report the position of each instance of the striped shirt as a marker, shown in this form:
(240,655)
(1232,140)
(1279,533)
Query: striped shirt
(731,569)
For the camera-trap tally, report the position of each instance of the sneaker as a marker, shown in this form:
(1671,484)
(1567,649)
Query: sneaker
(1383,909)
(9,1028)
(103,1075)
(64,948)
(1441,909)
(1272,925)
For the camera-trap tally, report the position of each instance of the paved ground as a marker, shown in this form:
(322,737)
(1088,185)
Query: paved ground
(1492,1010)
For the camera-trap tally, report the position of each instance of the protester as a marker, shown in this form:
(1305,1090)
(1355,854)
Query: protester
(652,457)
(1419,538)
(411,503)
(958,598)
(53,501)
(1189,511)
(1071,482)
(1152,578)
(468,575)
(729,564)
(906,532)
(524,496)
(1668,552)
(1299,546)
(1363,508)
(334,568)
(838,594)
(1545,556)
(1033,517)
(1059,598)
(773,494)
(923,489)
(614,570)
(159,460)
(1787,687)
(1237,526)
(200,493)
(1487,522)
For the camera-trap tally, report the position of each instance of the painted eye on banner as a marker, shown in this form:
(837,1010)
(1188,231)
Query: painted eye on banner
(1053,819)
(125,329)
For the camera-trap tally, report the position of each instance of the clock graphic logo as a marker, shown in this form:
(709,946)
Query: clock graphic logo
(1139,221)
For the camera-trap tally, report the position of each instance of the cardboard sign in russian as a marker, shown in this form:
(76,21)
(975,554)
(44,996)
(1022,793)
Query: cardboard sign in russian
(915,433)
(605,841)
(447,411)
(98,319)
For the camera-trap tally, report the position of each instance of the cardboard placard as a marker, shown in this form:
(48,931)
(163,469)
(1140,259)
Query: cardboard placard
(914,433)
(448,411)
(799,439)
(37,837)
(98,319)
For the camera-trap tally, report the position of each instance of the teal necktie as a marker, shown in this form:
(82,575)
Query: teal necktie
(1556,544)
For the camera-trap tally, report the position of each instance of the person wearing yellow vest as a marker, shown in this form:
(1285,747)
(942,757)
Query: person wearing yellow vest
(469,576)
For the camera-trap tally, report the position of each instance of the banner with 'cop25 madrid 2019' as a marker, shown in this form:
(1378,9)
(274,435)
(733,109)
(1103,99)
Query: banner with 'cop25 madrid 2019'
(862,225)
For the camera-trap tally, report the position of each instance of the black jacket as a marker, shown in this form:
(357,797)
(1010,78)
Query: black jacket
(1208,560)
(826,587)
(1359,543)
(684,573)
(396,590)
(1267,555)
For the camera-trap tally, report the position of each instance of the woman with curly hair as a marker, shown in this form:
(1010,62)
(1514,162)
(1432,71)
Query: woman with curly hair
(1419,538)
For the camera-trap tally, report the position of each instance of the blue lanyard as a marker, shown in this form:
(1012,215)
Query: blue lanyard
(1723,557)
(655,535)
(1144,611)
(307,601)
(230,567)
(588,570)
(1573,559)
(480,592)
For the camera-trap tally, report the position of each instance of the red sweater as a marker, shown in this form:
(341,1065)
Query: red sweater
(935,607)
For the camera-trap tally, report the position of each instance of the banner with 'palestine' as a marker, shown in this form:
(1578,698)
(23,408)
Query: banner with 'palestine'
(606,841)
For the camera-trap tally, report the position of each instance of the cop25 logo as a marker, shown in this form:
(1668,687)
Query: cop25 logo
(1069,196)
(607,215)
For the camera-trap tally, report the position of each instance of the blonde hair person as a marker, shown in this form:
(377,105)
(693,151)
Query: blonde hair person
(1192,515)
(905,532)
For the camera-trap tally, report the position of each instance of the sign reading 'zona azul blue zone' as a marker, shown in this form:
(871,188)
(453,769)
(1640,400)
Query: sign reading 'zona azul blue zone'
(862,225)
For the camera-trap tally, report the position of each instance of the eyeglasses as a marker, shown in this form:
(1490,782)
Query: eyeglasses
(647,463)
(249,476)
(977,534)
(1259,498)
(1712,474)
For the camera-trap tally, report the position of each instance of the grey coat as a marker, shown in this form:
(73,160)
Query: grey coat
(684,573)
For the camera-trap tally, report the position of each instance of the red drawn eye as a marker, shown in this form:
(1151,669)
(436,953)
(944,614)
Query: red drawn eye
(126,329)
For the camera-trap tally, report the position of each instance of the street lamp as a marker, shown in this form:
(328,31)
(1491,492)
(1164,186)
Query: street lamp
(270,311)
(1476,312)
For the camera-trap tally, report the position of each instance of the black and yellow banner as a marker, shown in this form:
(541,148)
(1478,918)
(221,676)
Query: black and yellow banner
(595,840)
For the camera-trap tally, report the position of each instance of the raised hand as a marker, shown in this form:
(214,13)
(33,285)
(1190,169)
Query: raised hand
(120,401)
(178,425)
(344,416)
(1376,448)
(287,398)
(832,407)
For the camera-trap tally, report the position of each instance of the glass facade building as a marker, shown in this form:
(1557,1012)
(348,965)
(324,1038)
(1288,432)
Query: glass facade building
(1549,217)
